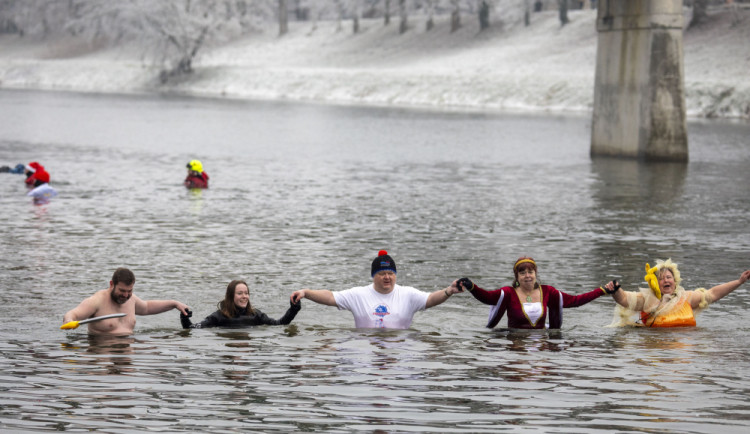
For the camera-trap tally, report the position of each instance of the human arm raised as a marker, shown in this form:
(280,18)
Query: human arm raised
(286,319)
(486,297)
(320,296)
(581,299)
(152,307)
(624,298)
(720,291)
(442,295)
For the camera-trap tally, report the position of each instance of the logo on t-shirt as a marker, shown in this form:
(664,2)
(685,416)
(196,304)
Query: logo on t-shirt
(380,311)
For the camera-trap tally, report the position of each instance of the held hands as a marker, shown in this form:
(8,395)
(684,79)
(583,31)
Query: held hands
(611,287)
(465,284)
(297,296)
(185,319)
(182,307)
(453,289)
(296,306)
(744,277)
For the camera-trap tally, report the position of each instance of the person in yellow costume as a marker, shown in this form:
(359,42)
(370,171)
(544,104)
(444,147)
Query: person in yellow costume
(665,303)
(196,177)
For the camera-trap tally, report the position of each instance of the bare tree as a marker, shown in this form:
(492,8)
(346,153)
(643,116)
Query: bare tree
(283,18)
(563,12)
(700,14)
(484,14)
(403,13)
(455,16)
(430,9)
(354,8)
(736,15)
(527,13)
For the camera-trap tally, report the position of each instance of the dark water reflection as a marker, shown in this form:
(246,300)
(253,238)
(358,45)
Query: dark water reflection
(302,196)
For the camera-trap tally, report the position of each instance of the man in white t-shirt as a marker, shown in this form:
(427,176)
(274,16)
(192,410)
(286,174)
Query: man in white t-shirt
(382,304)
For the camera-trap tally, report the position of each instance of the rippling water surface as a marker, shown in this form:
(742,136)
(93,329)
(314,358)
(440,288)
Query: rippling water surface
(304,196)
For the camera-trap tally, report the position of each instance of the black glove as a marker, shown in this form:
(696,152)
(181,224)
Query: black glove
(612,291)
(185,319)
(296,306)
(465,284)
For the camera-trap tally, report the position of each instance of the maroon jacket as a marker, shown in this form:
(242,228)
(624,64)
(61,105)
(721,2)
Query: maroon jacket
(505,299)
(196,180)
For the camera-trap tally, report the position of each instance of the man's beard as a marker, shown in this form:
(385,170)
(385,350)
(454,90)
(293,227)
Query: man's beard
(117,299)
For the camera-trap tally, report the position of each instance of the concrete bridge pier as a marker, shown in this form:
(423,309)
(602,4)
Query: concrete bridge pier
(639,93)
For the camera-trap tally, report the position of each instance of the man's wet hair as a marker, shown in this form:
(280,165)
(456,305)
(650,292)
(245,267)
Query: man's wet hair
(123,275)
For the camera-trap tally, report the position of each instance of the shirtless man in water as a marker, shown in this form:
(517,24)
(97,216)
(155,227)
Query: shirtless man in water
(119,298)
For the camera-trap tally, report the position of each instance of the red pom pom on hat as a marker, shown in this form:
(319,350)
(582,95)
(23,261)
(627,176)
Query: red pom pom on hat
(382,253)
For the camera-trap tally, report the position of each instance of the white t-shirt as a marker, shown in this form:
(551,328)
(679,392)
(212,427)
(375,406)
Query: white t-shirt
(43,191)
(372,309)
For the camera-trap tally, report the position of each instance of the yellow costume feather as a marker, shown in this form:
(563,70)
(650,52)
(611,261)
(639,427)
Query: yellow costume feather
(653,281)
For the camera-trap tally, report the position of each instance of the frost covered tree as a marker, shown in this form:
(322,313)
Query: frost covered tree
(335,9)
(171,31)
(455,16)
(504,11)
(39,18)
(283,18)
(527,13)
(355,7)
(429,6)
(484,14)
(563,4)
(699,13)
(404,15)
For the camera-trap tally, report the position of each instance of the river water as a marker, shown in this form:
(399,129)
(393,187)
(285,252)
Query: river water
(304,196)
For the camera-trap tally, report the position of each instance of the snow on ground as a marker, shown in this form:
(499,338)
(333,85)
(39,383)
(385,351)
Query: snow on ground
(542,67)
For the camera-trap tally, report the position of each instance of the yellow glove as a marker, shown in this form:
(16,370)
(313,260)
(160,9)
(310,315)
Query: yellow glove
(653,282)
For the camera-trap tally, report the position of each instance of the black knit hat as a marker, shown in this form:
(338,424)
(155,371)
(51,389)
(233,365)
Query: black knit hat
(383,262)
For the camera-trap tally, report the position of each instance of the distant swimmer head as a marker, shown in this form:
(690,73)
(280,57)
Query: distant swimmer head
(195,166)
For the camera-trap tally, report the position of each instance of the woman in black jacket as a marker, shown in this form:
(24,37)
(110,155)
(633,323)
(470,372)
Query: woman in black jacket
(236,311)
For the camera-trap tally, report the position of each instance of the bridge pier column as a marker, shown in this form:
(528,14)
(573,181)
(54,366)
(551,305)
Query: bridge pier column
(639,93)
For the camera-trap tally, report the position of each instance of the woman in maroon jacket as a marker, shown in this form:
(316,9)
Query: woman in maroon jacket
(529,304)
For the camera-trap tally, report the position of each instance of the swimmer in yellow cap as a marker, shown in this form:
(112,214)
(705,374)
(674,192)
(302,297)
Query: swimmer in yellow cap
(665,303)
(196,177)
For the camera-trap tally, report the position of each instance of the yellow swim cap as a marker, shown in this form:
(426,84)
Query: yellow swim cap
(195,166)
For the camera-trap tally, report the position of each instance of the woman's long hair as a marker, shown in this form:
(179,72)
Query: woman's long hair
(227,306)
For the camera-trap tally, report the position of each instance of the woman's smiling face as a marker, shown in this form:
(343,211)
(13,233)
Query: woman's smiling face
(241,296)
(666,281)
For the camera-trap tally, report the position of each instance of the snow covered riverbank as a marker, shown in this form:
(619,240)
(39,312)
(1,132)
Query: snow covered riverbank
(543,67)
